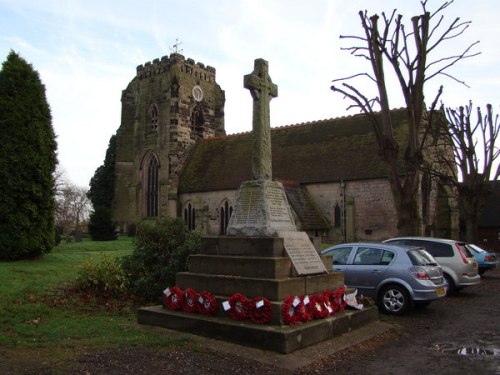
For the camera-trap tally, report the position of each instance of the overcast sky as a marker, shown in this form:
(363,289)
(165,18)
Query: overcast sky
(87,51)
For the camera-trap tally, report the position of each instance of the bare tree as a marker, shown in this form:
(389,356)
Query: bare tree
(407,53)
(474,161)
(72,207)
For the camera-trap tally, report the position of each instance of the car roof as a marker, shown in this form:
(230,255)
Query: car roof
(375,244)
(433,239)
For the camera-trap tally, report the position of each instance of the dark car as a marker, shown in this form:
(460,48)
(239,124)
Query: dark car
(396,277)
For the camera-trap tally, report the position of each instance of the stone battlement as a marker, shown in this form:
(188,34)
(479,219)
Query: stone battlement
(188,66)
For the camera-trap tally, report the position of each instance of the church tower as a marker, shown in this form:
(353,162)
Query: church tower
(171,103)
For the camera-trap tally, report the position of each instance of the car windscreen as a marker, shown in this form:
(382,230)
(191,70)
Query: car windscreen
(466,250)
(420,257)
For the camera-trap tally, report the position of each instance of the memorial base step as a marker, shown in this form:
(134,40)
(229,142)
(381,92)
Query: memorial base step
(276,338)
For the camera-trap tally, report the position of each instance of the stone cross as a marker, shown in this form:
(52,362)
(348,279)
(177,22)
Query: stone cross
(262,90)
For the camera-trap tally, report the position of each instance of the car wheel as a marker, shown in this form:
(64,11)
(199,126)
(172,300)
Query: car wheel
(450,287)
(394,300)
(481,272)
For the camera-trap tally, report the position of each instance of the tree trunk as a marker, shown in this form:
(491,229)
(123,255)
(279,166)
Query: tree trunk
(405,197)
(472,229)
(470,211)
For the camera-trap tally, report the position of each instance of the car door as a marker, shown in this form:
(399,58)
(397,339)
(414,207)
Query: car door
(367,268)
(340,257)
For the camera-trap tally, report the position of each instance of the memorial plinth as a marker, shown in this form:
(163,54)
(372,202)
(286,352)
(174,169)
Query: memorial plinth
(255,266)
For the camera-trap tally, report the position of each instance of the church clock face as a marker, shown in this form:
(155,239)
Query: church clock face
(197,93)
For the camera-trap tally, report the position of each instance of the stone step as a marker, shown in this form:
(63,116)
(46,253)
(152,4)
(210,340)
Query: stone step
(244,246)
(272,289)
(245,266)
(277,338)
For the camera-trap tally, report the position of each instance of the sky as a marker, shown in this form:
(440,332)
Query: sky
(87,51)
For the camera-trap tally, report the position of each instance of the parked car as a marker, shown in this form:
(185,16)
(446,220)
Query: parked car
(460,267)
(396,277)
(485,260)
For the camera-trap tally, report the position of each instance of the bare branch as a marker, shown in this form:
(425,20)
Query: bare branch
(354,76)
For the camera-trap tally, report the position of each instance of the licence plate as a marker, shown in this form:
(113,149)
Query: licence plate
(441,292)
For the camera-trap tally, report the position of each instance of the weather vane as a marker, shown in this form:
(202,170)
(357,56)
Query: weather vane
(175,48)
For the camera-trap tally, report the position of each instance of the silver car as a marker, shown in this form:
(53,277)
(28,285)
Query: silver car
(396,277)
(460,267)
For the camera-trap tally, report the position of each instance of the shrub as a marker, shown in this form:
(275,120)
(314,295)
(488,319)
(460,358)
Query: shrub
(161,250)
(102,278)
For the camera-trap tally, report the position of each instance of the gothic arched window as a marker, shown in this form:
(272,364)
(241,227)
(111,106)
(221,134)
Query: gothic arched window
(153,117)
(190,216)
(337,216)
(225,214)
(152,188)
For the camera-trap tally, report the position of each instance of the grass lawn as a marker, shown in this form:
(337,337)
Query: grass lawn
(35,313)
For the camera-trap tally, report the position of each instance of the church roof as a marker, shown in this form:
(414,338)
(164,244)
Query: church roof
(305,207)
(317,152)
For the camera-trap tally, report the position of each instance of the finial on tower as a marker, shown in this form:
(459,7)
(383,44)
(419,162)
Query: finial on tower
(175,48)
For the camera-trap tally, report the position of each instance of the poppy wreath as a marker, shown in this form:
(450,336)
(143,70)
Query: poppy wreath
(339,299)
(172,298)
(329,302)
(207,304)
(189,303)
(260,310)
(239,306)
(319,310)
(305,309)
(289,312)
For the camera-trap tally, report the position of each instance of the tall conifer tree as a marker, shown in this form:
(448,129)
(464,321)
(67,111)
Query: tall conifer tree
(27,162)
(101,193)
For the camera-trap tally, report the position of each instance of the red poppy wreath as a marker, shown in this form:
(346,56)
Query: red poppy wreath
(289,311)
(238,306)
(260,310)
(172,298)
(189,303)
(207,304)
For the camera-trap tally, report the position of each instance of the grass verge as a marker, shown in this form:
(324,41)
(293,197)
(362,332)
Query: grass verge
(38,313)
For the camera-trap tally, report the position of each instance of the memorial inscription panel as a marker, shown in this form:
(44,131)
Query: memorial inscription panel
(302,253)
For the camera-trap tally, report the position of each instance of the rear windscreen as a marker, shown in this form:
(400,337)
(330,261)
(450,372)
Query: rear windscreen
(420,257)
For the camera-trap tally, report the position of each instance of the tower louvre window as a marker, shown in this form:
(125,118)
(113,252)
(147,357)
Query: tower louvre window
(153,117)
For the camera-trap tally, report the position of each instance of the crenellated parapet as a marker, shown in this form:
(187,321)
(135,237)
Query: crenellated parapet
(176,61)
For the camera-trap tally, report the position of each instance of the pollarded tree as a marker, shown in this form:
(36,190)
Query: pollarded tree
(101,193)
(474,161)
(407,53)
(27,162)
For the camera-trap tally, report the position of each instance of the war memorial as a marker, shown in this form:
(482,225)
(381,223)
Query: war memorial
(252,284)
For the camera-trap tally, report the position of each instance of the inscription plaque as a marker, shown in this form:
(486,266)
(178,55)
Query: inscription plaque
(261,209)
(302,253)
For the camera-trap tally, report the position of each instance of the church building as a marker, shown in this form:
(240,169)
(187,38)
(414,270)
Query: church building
(173,158)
